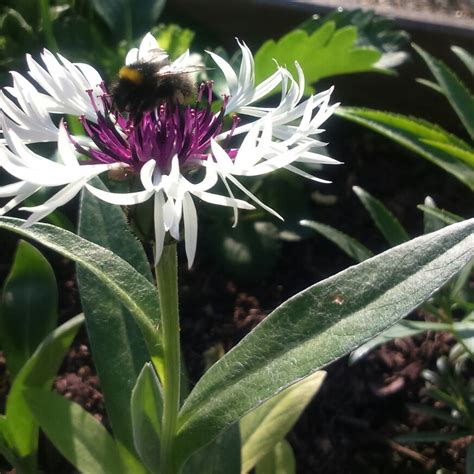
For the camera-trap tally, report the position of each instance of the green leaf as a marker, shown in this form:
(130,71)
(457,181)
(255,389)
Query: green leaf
(129,19)
(348,245)
(117,344)
(28,308)
(38,372)
(131,288)
(459,153)
(319,325)
(373,30)
(281,460)
(431,223)
(324,53)
(412,133)
(267,425)
(398,330)
(173,39)
(147,412)
(430,436)
(78,436)
(442,215)
(222,455)
(466,58)
(456,92)
(385,221)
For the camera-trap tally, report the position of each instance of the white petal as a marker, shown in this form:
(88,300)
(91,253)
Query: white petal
(59,199)
(222,200)
(146,175)
(304,174)
(229,74)
(132,56)
(12,189)
(190,228)
(254,198)
(25,192)
(224,162)
(121,199)
(66,150)
(148,44)
(160,230)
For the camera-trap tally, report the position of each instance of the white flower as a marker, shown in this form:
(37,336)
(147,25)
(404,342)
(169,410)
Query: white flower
(168,148)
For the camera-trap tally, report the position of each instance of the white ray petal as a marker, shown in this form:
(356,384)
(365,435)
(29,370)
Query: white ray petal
(253,197)
(66,150)
(147,44)
(160,231)
(229,74)
(25,192)
(146,175)
(219,200)
(131,57)
(306,175)
(122,199)
(59,199)
(190,228)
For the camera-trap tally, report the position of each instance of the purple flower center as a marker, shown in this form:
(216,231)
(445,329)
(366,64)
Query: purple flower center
(161,134)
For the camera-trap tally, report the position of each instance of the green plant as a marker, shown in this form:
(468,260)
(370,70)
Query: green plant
(34,349)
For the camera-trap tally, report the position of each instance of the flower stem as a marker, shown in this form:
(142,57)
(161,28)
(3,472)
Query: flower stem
(167,281)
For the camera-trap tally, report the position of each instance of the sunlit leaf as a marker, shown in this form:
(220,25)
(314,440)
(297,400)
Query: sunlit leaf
(267,425)
(281,460)
(326,52)
(413,133)
(456,92)
(319,325)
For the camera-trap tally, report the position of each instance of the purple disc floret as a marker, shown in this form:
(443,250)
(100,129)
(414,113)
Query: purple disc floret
(161,134)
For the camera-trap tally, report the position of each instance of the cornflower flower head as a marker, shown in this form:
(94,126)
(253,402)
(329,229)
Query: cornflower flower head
(176,152)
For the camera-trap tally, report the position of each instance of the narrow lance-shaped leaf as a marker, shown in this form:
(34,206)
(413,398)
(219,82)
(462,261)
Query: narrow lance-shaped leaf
(147,413)
(385,221)
(442,215)
(431,223)
(131,288)
(466,58)
(347,244)
(280,460)
(319,325)
(80,437)
(456,92)
(28,310)
(267,425)
(413,133)
(39,371)
(117,344)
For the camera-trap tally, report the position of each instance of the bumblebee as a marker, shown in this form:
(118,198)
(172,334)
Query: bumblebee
(148,83)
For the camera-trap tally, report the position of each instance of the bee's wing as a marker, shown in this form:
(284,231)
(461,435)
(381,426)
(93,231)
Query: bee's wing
(156,55)
(172,71)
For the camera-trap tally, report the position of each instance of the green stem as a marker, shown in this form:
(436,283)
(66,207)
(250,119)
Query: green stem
(167,281)
(48,26)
